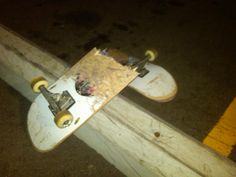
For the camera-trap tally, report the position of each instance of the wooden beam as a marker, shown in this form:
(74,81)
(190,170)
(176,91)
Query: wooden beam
(137,142)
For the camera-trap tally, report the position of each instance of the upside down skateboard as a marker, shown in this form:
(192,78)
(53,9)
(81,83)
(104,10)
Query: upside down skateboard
(83,90)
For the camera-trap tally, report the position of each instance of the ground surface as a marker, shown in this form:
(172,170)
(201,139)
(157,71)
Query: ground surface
(196,43)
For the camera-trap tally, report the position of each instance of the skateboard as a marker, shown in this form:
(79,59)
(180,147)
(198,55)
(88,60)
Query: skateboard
(84,89)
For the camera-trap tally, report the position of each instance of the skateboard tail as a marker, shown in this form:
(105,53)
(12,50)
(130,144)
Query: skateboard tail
(157,85)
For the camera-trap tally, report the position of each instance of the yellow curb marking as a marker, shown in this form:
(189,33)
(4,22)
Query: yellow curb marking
(222,137)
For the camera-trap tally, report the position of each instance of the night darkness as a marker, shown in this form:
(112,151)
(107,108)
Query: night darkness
(196,44)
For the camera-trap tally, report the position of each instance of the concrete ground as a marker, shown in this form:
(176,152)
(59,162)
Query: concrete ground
(196,44)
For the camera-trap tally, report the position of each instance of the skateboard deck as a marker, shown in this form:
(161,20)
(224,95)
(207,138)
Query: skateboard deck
(158,84)
(92,83)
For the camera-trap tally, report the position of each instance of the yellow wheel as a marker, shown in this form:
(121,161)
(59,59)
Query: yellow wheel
(37,82)
(151,54)
(63,119)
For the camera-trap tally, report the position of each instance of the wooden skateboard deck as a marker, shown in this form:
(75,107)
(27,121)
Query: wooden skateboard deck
(106,78)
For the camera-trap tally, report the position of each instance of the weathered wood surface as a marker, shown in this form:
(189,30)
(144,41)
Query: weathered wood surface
(103,72)
(122,132)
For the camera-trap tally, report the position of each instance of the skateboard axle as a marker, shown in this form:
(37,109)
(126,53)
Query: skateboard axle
(57,102)
(139,64)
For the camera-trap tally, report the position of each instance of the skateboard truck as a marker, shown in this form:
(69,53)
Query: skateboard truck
(150,55)
(58,103)
(133,62)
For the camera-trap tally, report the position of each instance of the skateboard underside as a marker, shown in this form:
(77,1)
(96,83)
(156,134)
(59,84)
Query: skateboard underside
(157,85)
(92,82)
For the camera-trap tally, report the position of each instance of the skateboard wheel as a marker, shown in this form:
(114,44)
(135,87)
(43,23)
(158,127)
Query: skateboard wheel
(38,82)
(63,119)
(152,54)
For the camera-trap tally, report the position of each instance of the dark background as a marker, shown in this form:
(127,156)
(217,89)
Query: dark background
(196,44)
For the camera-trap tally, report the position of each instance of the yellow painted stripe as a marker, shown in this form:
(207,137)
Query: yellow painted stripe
(222,137)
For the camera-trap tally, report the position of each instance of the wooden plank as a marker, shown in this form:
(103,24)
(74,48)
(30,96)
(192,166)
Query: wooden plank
(135,141)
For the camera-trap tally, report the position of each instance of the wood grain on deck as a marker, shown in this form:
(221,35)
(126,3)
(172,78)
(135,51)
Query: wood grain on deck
(108,76)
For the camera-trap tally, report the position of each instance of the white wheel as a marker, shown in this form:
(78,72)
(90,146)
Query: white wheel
(152,54)
(63,119)
(38,82)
